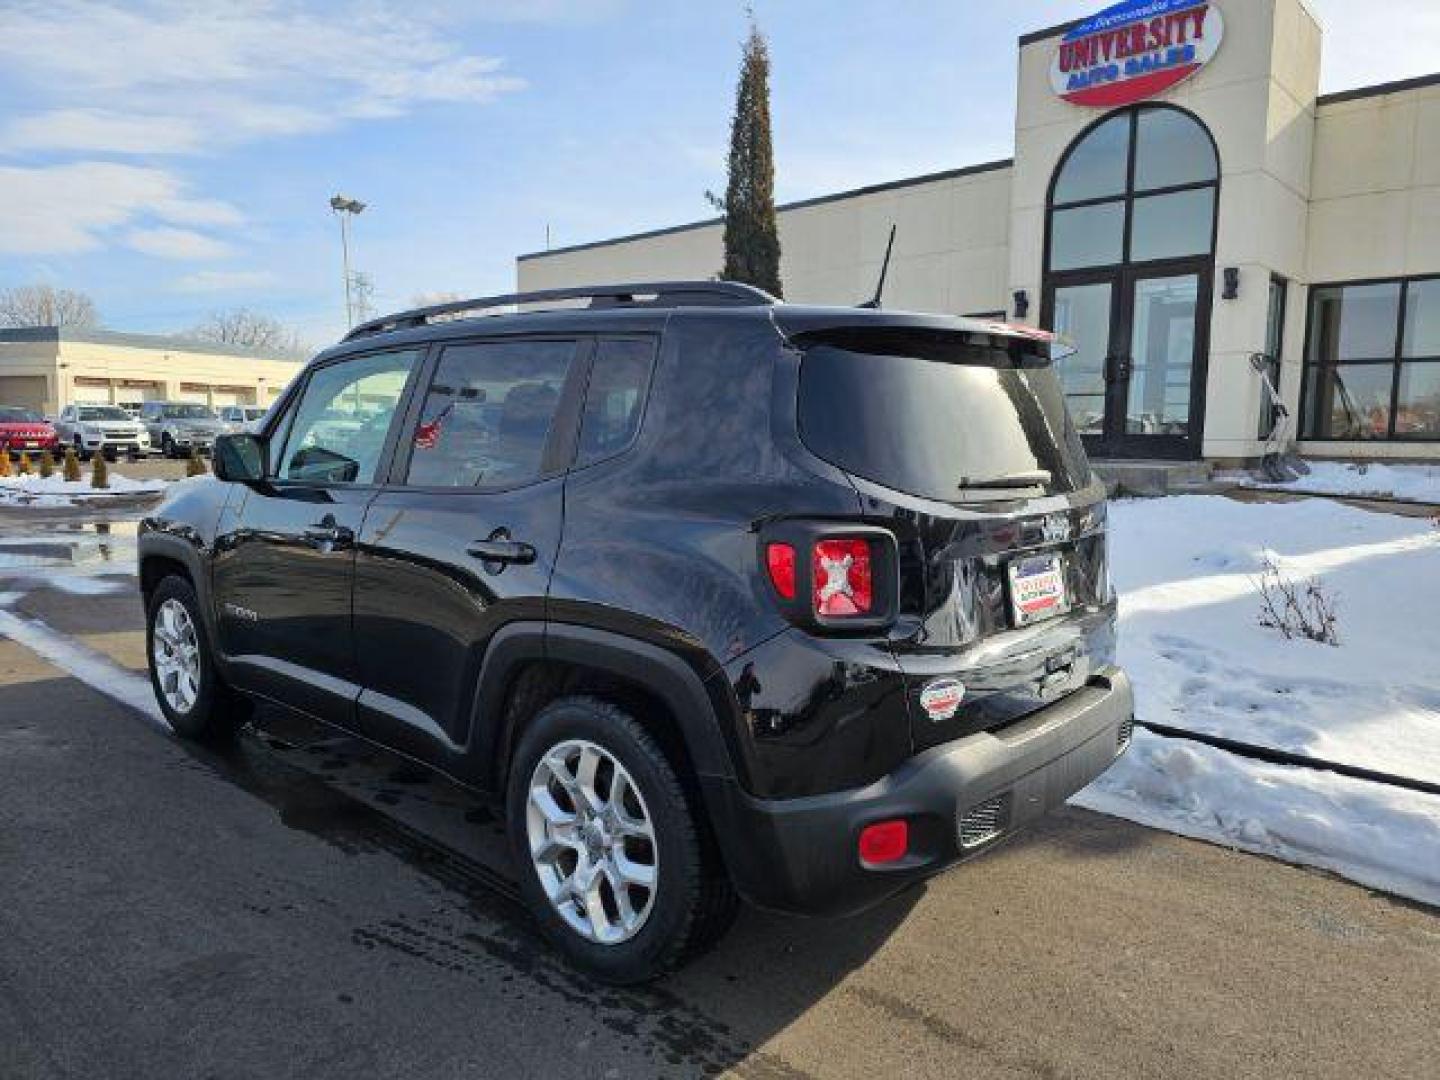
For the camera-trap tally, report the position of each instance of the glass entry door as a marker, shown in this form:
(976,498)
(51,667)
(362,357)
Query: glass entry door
(1135,384)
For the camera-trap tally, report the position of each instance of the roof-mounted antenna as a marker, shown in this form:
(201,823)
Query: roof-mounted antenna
(874,301)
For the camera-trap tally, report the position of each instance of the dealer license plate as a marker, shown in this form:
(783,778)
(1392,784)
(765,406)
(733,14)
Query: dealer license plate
(1037,588)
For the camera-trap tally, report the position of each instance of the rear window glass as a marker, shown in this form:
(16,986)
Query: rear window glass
(939,416)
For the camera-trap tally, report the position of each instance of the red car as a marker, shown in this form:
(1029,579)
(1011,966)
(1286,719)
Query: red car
(25,430)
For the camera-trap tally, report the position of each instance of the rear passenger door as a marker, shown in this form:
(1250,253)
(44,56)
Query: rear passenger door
(463,538)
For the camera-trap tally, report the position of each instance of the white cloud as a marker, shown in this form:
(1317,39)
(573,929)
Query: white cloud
(219,281)
(103,130)
(60,209)
(169,71)
(168,242)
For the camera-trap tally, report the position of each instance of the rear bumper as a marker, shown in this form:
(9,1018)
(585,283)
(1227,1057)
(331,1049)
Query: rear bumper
(800,855)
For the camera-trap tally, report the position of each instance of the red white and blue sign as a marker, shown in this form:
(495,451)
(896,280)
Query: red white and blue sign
(1135,50)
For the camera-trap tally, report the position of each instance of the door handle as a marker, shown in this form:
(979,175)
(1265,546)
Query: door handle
(500,549)
(328,533)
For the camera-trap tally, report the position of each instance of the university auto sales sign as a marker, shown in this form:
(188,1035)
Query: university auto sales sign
(1134,50)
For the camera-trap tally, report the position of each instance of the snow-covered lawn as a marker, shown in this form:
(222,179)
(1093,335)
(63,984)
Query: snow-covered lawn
(1191,641)
(52,491)
(1416,483)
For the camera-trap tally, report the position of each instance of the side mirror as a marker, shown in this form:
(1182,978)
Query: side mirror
(240,459)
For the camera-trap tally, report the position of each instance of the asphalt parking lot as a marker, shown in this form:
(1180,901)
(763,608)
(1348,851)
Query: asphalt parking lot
(304,906)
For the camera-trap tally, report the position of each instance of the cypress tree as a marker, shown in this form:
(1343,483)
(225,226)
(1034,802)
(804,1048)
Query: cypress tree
(752,240)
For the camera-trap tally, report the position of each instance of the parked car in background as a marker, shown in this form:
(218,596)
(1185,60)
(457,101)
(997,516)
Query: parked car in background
(106,429)
(718,596)
(178,427)
(25,431)
(241,417)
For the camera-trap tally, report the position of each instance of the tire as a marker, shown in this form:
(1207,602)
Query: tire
(167,446)
(692,902)
(80,449)
(214,712)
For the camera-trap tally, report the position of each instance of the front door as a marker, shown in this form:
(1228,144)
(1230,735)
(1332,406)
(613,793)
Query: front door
(285,551)
(1136,382)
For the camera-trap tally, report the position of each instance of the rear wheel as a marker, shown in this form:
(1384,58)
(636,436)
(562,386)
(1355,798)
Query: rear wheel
(609,851)
(187,687)
(167,445)
(80,449)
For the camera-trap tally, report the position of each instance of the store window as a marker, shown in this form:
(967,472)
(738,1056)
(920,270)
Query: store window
(1139,187)
(1274,345)
(1372,367)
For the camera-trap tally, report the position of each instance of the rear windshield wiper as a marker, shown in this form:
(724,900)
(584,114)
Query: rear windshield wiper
(1034,478)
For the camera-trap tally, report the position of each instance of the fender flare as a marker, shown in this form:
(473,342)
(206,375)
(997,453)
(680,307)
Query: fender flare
(660,671)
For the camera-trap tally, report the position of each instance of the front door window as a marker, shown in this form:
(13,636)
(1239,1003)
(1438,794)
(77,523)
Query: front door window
(1082,315)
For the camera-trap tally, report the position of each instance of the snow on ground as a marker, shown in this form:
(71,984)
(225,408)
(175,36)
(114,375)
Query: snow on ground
(1416,483)
(1191,641)
(33,490)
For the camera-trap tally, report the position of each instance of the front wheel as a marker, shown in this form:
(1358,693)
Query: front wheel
(611,857)
(187,686)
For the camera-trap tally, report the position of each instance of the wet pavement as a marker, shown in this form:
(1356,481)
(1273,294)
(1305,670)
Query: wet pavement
(304,905)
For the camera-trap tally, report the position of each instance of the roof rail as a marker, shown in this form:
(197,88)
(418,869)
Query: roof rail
(664,294)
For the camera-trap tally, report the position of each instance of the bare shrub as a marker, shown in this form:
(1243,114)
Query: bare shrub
(1297,609)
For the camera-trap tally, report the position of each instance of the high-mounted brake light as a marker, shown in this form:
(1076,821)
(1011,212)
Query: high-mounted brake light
(780,562)
(842,578)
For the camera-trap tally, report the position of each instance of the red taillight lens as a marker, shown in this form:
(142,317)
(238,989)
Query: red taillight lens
(780,561)
(884,841)
(843,583)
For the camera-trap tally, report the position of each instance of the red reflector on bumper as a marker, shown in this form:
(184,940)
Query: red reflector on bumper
(884,841)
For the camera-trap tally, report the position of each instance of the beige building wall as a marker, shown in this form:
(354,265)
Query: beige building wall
(1375,207)
(951,248)
(123,368)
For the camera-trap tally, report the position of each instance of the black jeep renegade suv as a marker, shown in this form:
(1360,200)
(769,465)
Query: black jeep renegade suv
(721,595)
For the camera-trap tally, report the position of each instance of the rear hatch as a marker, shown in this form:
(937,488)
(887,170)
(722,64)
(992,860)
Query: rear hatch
(958,441)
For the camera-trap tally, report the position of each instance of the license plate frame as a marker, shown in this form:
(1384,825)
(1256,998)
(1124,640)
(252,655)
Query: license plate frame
(1038,590)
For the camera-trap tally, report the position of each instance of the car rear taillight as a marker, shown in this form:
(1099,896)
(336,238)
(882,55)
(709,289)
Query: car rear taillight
(780,562)
(830,576)
(842,577)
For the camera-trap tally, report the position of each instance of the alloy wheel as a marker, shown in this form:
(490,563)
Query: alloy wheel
(176,652)
(592,841)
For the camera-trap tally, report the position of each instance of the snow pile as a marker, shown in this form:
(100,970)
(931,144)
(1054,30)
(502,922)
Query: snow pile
(1185,568)
(1414,483)
(55,490)
(1385,837)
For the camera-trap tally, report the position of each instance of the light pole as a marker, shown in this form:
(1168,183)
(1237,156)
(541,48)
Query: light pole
(346,208)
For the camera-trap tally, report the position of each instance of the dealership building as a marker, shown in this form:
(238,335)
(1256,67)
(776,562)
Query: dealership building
(46,368)
(1186,208)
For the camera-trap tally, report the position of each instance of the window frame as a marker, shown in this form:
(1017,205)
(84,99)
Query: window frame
(1269,410)
(1130,195)
(282,422)
(1395,360)
(560,444)
(574,463)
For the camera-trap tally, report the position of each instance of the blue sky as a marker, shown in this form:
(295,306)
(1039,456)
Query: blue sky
(173,159)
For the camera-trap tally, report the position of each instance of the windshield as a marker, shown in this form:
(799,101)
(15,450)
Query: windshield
(187,412)
(11,415)
(939,417)
(104,412)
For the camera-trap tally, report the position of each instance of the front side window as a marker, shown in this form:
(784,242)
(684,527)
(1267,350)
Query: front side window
(338,431)
(1372,370)
(488,413)
(615,398)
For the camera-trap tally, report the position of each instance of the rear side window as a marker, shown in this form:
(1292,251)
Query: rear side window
(488,413)
(615,400)
(939,416)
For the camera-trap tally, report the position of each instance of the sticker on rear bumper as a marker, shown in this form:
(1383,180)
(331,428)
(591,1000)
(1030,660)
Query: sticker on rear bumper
(941,699)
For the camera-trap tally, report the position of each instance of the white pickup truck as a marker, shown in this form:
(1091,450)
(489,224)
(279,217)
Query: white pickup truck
(105,429)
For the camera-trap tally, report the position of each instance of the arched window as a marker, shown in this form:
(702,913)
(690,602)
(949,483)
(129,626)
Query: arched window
(1139,186)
